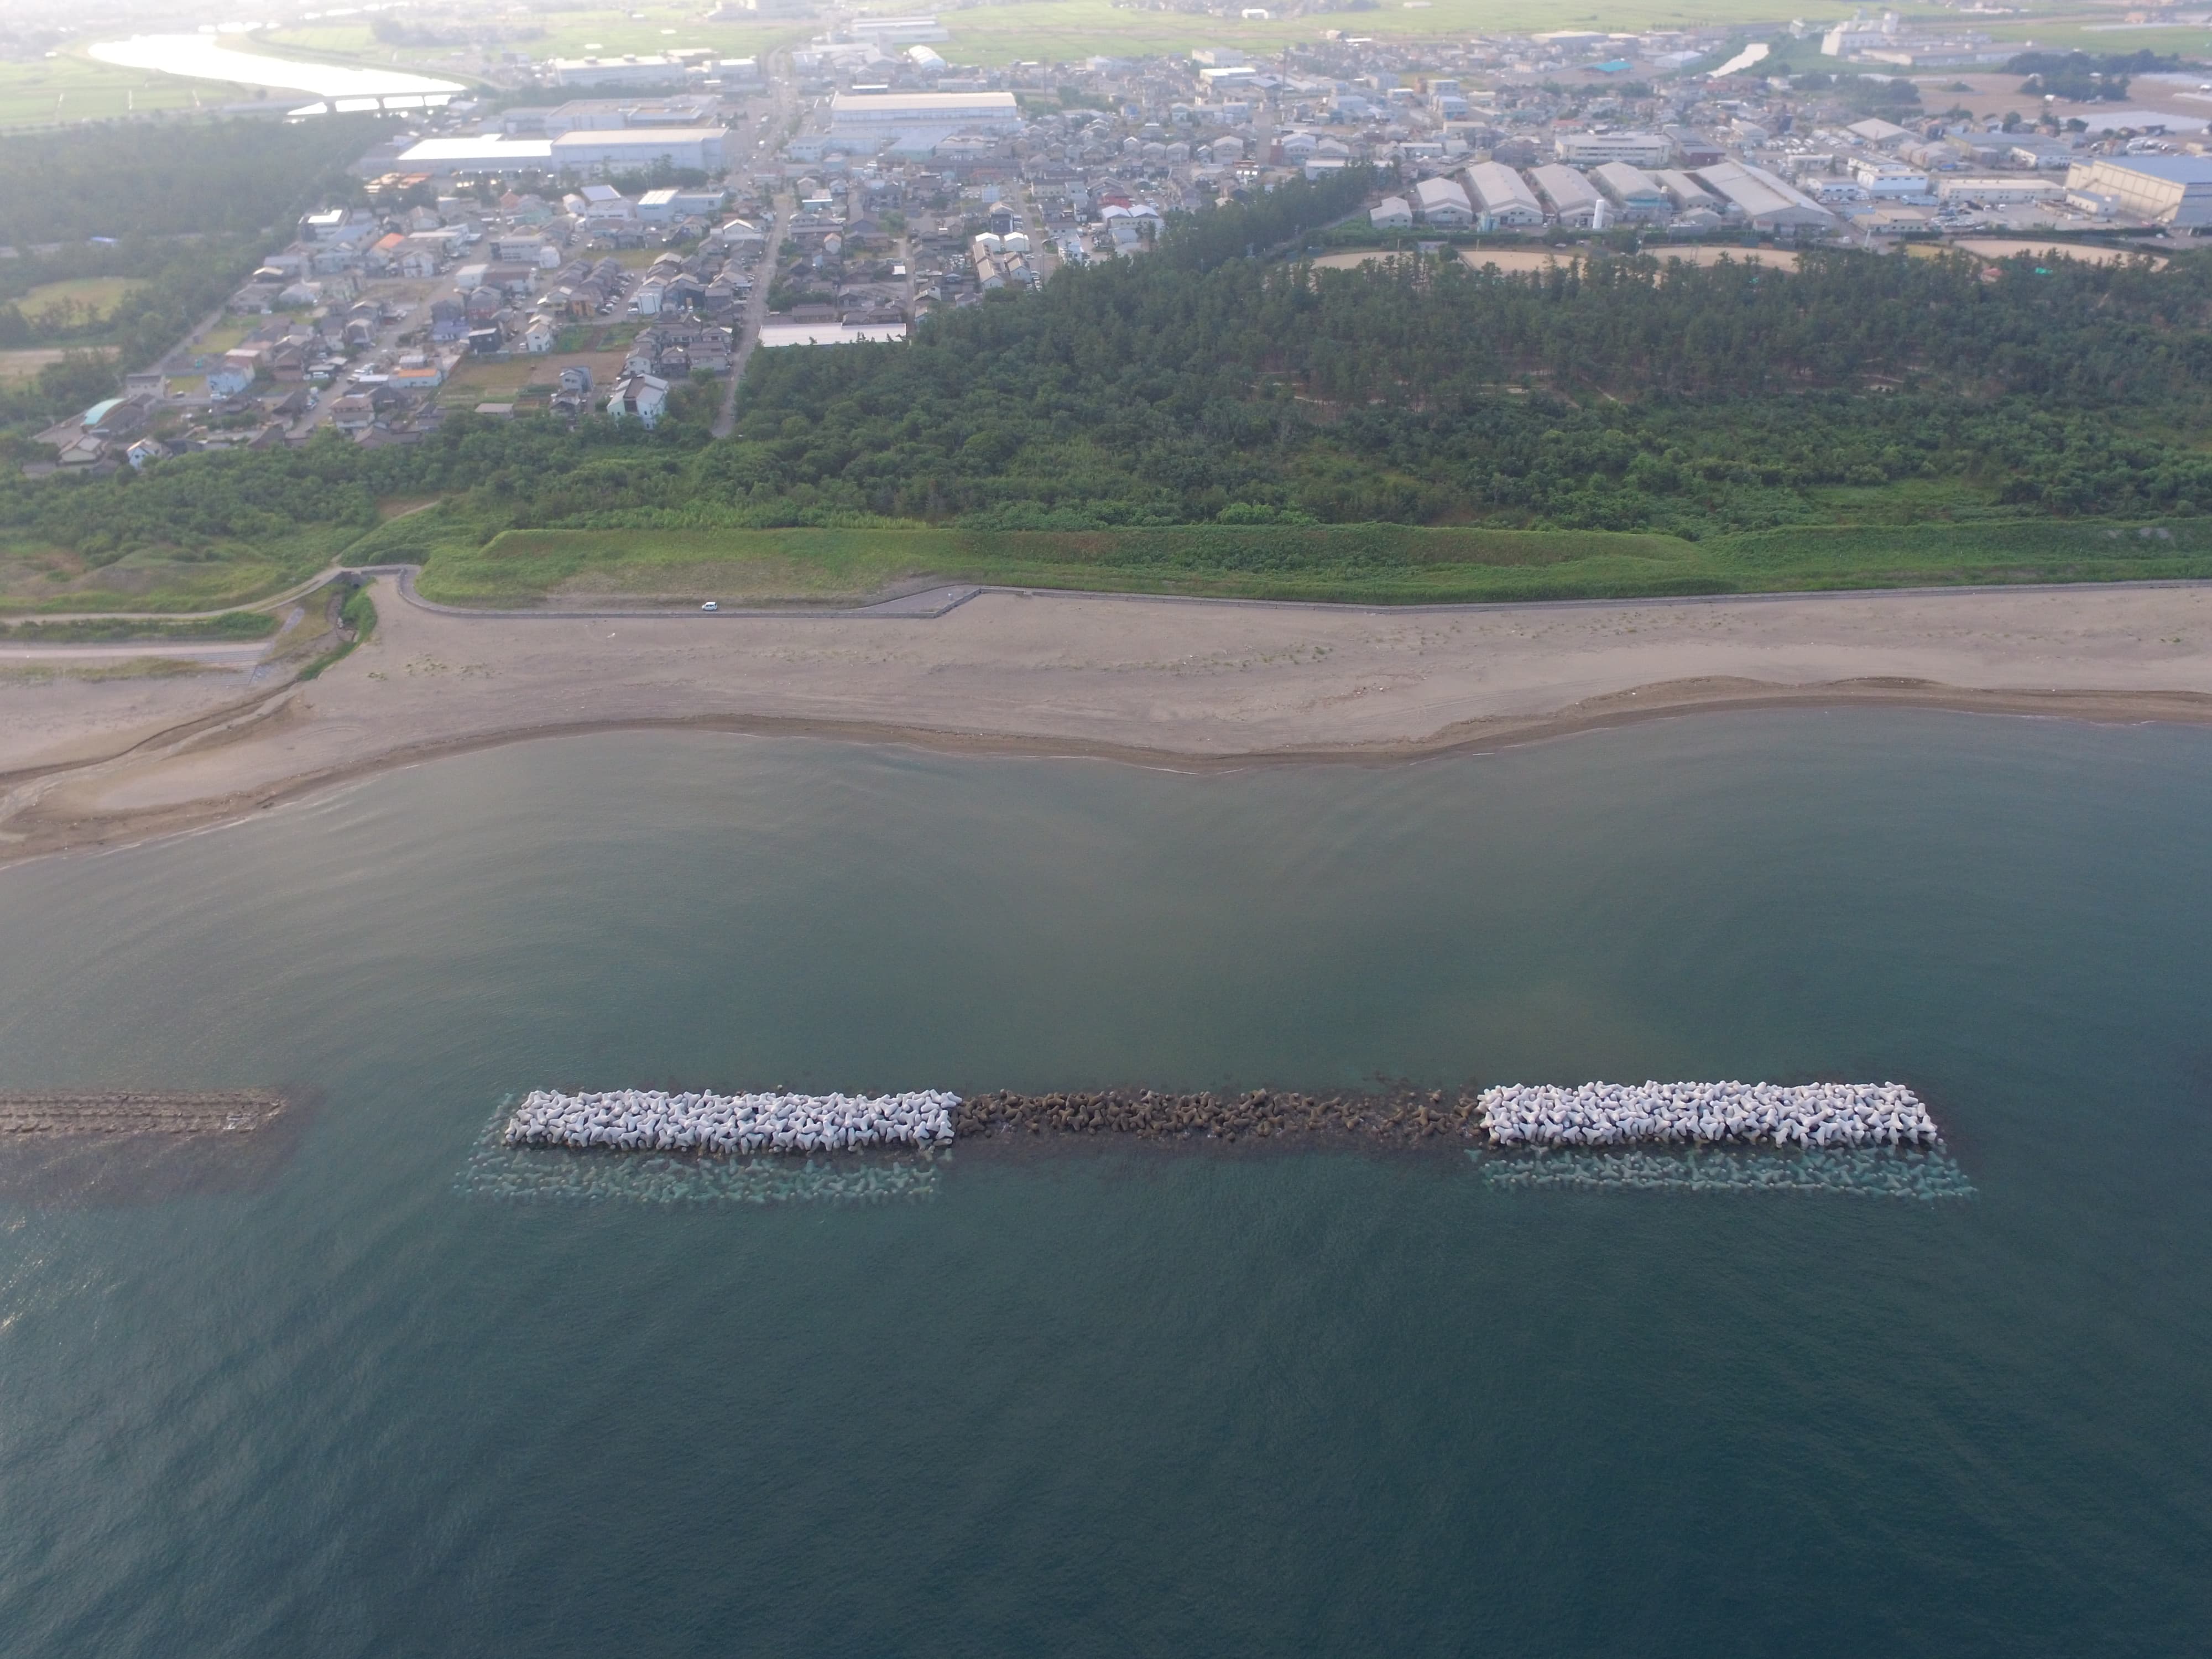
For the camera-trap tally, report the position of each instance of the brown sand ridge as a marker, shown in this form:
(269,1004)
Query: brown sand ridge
(1194,684)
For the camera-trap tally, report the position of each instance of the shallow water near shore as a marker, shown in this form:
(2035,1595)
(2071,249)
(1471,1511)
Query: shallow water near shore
(1096,1400)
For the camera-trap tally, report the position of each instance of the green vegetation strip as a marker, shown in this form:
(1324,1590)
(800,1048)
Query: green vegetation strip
(238,625)
(1364,563)
(359,614)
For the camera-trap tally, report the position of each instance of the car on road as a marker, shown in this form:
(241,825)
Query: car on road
(712,604)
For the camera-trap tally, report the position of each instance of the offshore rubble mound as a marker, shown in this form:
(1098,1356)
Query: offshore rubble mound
(650,1120)
(1402,1116)
(75,1148)
(130,1112)
(1815,1115)
(1518,1118)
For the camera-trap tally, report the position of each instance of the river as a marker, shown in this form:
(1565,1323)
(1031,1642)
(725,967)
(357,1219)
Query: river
(213,58)
(1108,1401)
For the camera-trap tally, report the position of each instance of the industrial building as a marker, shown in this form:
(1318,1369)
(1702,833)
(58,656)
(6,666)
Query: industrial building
(896,31)
(1504,196)
(597,114)
(587,152)
(1891,180)
(2169,190)
(1685,192)
(2002,190)
(1639,149)
(880,114)
(1442,203)
(494,153)
(1574,202)
(1766,201)
(912,123)
(1632,190)
(655,69)
(639,148)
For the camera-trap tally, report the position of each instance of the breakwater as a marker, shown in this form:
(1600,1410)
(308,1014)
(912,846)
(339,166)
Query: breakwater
(1823,1116)
(70,1112)
(641,1120)
(1817,1115)
(1405,1115)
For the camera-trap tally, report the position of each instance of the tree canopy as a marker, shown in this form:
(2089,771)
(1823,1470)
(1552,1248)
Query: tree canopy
(1209,382)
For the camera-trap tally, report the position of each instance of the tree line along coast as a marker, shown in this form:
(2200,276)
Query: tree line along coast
(1225,382)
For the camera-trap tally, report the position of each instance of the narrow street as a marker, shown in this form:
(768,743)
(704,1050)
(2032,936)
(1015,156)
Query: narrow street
(756,313)
(768,143)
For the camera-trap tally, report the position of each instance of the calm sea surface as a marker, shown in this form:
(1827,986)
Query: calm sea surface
(1110,1402)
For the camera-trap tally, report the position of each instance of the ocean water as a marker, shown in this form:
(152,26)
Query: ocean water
(1102,1400)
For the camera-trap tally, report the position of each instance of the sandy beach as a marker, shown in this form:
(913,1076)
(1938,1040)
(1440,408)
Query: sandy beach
(87,762)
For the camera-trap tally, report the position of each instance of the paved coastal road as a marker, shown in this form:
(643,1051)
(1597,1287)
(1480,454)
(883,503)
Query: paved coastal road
(927,604)
(214,654)
(920,606)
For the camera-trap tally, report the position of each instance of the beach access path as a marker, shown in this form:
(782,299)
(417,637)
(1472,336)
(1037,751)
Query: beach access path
(1190,683)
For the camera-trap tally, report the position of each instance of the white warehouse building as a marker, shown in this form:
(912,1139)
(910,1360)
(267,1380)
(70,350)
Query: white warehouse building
(1574,202)
(880,114)
(653,70)
(1639,149)
(1633,191)
(588,152)
(1441,202)
(1765,200)
(2173,190)
(631,147)
(1504,196)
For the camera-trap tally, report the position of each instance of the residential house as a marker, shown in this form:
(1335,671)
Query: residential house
(353,412)
(418,371)
(448,321)
(640,398)
(117,417)
(512,278)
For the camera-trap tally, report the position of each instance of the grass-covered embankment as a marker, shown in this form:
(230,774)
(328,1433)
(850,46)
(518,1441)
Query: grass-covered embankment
(1375,564)
(39,577)
(237,625)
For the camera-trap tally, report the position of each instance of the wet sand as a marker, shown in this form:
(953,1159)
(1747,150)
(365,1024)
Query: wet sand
(1193,683)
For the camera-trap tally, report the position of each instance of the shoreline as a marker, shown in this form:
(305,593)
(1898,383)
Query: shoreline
(1639,706)
(1189,686)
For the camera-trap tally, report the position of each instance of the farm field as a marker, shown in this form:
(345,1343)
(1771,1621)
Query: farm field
(1045,30)
(2103,32)
(25,364)
(92,299)
(50,91)
(567,33)
(525,378)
